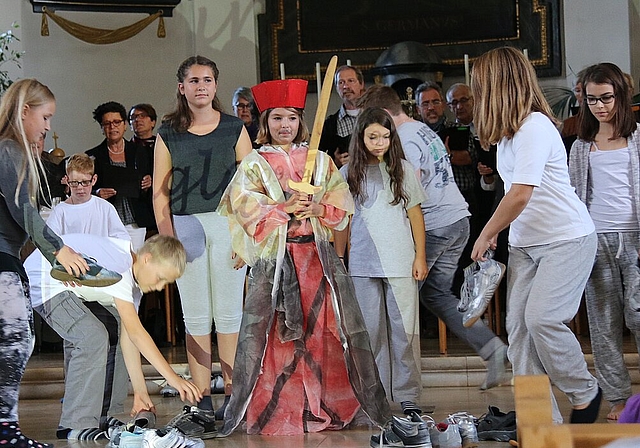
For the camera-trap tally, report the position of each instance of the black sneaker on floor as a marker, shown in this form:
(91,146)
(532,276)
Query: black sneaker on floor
(497,425)
(403,432)
(95,276)
(195,422)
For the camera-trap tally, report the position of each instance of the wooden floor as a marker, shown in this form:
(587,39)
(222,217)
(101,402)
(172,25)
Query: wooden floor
(39,418)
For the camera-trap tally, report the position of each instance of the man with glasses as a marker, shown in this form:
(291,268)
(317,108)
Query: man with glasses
(464,159)
(142,119)
(431,106)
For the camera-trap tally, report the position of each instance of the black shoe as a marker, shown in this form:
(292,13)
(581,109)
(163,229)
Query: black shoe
(403,432)
(588,414)
(195,422)
(497,425)
(95,276)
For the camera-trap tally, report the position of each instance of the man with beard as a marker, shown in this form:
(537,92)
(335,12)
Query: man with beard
(431,106)
(338,127)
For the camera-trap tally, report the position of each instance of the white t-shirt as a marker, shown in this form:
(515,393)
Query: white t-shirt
(611,203)
(536,156)
(110,253)
(96,216)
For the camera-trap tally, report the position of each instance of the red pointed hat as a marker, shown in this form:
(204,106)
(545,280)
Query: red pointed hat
(280,93)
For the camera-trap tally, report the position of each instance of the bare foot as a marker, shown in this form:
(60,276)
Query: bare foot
(615,411)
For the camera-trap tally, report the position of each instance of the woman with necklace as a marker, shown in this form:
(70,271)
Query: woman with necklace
(124,172)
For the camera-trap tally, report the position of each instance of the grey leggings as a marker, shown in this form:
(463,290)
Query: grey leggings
(16,340)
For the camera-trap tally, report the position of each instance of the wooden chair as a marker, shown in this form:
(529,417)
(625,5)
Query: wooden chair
(536,428)
(169,314)
(494,320)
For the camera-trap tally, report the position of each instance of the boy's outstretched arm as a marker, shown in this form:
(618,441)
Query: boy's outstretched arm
(141,399)
(132,329)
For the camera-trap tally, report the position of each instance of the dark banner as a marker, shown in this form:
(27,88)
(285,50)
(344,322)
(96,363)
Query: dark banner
(299,33)
(324,26)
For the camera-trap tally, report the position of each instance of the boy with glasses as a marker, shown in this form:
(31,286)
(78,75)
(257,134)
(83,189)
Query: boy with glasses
(83,212)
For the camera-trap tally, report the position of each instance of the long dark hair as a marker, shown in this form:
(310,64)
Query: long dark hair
(180,119)
(357,168)
(623,121)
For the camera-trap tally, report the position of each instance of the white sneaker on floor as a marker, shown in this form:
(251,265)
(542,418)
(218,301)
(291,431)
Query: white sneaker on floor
(169,438)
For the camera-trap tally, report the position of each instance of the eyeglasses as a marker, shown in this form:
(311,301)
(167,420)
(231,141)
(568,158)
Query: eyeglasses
(242,106)
(139,116)
(604,99)
(464,100)
(77,183)
(433,103)
(108,124)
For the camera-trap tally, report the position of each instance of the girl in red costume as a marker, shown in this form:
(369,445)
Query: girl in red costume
(304,363)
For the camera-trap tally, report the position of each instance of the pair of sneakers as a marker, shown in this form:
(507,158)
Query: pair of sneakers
(481,278)
(156,438)
(444,434)
(127,432)
(457,431)
(140,433)
(410,431)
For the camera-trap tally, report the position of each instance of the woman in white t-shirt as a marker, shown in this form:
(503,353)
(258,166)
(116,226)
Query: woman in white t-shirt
(552,243)
(605,169)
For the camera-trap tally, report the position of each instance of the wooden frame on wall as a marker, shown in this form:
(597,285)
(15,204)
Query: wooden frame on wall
(300,33)
(128,6)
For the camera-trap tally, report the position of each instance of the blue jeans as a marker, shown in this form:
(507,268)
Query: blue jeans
(444,248)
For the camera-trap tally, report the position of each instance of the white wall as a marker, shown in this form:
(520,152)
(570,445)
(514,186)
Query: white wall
(596,31)
(9,13)
(143,68)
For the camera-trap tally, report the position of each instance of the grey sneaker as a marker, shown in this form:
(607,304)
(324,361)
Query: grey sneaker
(403,432)
(95,276)
(446,435)
(481,278)
(467,426)
(195,422)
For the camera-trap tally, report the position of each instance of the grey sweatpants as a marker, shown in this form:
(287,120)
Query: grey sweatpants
(390,310)
(96,382)
(614,283)
(444,248)
(544,288)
